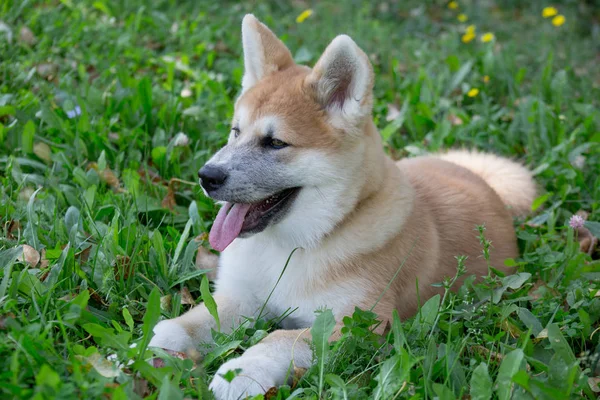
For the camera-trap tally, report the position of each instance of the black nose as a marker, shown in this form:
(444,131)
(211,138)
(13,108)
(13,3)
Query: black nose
(211,178)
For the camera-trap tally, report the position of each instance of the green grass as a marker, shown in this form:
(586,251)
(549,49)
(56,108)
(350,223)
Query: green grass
(93,193)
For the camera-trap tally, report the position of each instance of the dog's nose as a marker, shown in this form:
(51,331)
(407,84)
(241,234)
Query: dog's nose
(211,178)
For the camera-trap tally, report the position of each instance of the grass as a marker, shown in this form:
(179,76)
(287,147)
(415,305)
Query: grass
(101,218)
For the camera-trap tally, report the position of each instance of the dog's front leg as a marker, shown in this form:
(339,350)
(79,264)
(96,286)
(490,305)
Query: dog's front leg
(186,332)
(267,364)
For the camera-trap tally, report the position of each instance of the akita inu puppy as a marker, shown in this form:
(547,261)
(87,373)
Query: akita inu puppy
(304,168)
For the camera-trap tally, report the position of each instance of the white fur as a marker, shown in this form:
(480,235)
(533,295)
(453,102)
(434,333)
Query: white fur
(263,366)
(170,335)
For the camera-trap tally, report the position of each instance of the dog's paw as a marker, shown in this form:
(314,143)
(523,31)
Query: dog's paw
(258,374)
(170,335)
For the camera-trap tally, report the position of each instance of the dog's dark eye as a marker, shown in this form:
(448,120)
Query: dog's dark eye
(276,143)
(236,131)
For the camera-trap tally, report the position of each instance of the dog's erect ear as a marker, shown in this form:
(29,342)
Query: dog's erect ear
(342,81)
(264,53)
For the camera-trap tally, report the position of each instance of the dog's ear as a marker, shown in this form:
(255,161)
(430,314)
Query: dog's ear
(264,53)
(342,81)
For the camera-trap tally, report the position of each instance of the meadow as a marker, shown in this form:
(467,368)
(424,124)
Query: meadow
(108,109)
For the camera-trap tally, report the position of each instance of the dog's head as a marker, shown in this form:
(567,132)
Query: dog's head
(294,162)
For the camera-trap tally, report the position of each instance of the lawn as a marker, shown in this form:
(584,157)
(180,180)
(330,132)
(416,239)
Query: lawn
(108,109)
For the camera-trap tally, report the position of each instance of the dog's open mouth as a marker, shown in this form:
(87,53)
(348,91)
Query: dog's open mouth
(235,219)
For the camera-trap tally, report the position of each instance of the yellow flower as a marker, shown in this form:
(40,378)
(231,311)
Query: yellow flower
(549,12)
(473,92)
(558,20)
(471,29)
(467,37)
(462,17)
(487,37)
(453,5)
(304,15)
(486,79)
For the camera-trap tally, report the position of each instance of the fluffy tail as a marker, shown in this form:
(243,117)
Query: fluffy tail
(512,181)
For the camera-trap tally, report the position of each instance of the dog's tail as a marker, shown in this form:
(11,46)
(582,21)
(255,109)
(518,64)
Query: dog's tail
(512,181)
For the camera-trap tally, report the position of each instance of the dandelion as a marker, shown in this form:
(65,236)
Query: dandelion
(576,222)
(181,140)
(304,15)
(558,20)
(462,17)
(467,37)
(471,29)
(487,37)
(486,79)
(548,12)
(473,92)
(453,5)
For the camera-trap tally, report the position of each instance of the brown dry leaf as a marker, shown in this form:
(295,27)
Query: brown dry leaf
(43,151)
(111,179)
(84,254)
(141,387)
(26,36)
(588,243)
(511,328)
(594,383)
(454,119)
(123,268)
(47,70)
(298,374)
(186,297)
(13,229)
(207,260)
(30,255)
(169,200)
(271,393)
(4,320)
(96,297)
(151,176)
(165,302)
(44,262)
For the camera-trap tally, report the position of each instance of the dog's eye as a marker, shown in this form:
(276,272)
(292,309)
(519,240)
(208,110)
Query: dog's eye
(236,131)
(276,143)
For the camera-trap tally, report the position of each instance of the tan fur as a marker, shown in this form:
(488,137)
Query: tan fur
(512,181)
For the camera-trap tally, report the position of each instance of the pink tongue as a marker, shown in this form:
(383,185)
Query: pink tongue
(227,226)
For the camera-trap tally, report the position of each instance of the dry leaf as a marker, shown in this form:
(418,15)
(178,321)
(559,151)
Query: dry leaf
(47,71)
(26,36)
(123,268)
(4,320)
(110,179)
(169,200)
(186,297)
(594,383)
(30,255)
(271,393)
(13,229)
(454,119)
(43,151)
(207,260)
(165,302)
(298,374)
(104,367)
(26,193)
(393,112)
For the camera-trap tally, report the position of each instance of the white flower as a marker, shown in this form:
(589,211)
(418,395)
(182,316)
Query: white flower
(181,140)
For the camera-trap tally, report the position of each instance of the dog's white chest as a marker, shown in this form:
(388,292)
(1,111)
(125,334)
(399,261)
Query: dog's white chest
(250,270)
